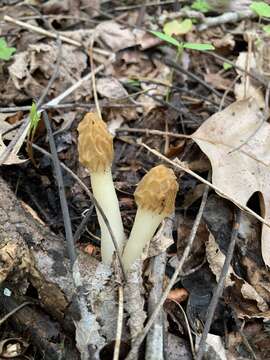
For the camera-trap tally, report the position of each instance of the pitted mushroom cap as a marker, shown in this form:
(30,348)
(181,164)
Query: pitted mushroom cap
(157,190)
(95,143)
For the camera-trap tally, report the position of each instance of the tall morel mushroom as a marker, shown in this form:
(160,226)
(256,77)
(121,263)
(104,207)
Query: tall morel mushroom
(155,197)
(95,146)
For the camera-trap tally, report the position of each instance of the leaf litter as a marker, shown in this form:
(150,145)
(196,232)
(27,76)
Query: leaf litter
(142,92)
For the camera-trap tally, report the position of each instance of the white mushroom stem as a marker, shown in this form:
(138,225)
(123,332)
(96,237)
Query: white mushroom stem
(145,224)
(104,192)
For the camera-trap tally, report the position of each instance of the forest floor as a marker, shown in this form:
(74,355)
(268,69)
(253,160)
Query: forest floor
(179,83)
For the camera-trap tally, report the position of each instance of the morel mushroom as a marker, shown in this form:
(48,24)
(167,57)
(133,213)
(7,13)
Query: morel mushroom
(155,196)
(95,146)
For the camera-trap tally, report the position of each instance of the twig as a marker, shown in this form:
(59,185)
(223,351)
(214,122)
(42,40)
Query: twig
(140,338)
(218,291)
(81,228)
(225,18)
(212,186)
(42,31)
(223,59)
(88,106)
(153,132)
(179,68)
(241,332)
(149,4)
(12,312)
(93,78)
(62,195)
(154,344)
(188,327)
(52,34)
(119,323)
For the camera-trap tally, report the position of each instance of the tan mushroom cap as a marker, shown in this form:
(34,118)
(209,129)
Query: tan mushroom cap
(157,190)
(95,143)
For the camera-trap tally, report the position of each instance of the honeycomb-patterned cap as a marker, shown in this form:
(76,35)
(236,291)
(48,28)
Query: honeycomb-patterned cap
(157,190)
(95,143)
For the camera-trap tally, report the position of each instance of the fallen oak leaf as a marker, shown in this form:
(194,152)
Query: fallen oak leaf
(240,173)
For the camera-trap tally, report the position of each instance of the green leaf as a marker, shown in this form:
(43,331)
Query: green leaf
(260,8)
(201,5)
(5,51)
(266,28)
(177,27)
(34,117)
(227,66)
(199,47)
(167,38)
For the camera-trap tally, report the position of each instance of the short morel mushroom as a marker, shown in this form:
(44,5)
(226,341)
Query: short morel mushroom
(155,197)
(95,146)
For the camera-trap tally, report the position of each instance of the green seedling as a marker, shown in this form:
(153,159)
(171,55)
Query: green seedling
(260,8)
(266,28)
(34,118)
(5,51)
(182,45)
(177,27)
(227,66)
(201,5)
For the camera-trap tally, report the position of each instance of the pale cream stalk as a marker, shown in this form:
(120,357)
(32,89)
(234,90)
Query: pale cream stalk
(145,225)
(105,194)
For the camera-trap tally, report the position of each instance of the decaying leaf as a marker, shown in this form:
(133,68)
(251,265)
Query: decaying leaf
(240,172)
(117,36)
(216,260)
(247,87)
(32,68)
(111,88)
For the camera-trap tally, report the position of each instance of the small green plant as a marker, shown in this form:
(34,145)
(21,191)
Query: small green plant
(227,66)
(182,45)
(34,118)
(266,28)
(201,5)
(177,27)
(260,8)
(5,51)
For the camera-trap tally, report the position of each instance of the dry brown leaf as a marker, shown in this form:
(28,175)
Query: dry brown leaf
(217,81)
(31,69)
(240,173)
(247,87)
(216,260)
(117,36)
(111,88)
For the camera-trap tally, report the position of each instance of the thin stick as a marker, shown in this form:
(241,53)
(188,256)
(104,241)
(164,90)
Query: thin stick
(153,132)
(188,327)
(93,76)
(42,31)
(216,188)
(119,323)
(219,288)
(12,312)
(137,342)
(61,189)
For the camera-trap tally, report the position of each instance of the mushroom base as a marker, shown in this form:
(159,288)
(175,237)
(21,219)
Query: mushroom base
(144,227)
